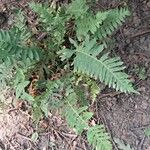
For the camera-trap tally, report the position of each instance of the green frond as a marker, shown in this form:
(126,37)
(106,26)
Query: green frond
(37,114)
(45,12)
(91,61)
(65,53)
(108,70)
(5,75)
(14,47)
(81,96)
(77,118)
(115,18)
(98,138)
(77,8)
(9,43)
(89,23)
(121,145)
(51,98)
(94,89)
(52,21)
(20,25)
(20,83)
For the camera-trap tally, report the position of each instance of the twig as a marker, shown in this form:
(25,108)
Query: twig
(2,146)
(140,34)
(13,148)
(107,127)
(141,127)
(23,136)
(141,143)
(110,94)
(69,135)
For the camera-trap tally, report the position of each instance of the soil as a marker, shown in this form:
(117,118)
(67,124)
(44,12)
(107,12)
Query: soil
(125,116)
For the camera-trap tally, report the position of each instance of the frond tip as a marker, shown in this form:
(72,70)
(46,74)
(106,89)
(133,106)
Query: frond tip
(98,138)
(74,116)
(115,18)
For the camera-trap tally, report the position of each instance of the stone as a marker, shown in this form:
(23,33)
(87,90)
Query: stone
(148,4)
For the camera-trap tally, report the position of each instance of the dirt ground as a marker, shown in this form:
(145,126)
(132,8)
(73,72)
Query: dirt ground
(125,116)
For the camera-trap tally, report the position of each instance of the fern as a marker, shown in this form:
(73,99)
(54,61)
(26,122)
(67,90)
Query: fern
(20,83)
(101,25)
(13,47)
(5,75)
(96,135)
(52,20)
(46,13)
(114,18)
(20,24)
(98,138)
(77,8)
(85,55)
(78,118)
(74,116)
(89,23)
(51,99)
(122,145)
(9,44)
(108,70)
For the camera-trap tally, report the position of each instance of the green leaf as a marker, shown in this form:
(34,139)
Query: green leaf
(98,138)
(108,70)
(75,115)
(37,114)
(114,18)
(77,8)
(26,96)
(147,132)
(34,136)
(122,145)
(20,88)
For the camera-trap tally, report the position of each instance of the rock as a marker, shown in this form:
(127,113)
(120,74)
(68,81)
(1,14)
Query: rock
(148,4)
(144,105)
(142,40)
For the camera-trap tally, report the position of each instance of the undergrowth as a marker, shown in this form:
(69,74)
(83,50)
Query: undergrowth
(53,71)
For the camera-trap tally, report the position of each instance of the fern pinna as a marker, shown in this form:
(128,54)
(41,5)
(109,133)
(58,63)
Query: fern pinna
(75,43)
(76,117)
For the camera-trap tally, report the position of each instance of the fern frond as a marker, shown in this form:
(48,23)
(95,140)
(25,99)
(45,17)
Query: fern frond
(122,145)
(115,17)
(45,12)
(9,43)
(53,21)
(20,83)
(78,118)
(75,115)
(89,23)
(51,98)
(100,66)
(20,24)
(98,138)
(13,46)
(108,70)
(5,75)
(94,89)
(77,8)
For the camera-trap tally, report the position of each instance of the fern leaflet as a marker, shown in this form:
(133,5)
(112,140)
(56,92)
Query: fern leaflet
(114,18)
(98,138)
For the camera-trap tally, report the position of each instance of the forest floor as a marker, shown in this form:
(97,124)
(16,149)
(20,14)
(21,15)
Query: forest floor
(125,116)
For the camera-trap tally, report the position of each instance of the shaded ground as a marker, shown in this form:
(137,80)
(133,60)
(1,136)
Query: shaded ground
(125,116)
